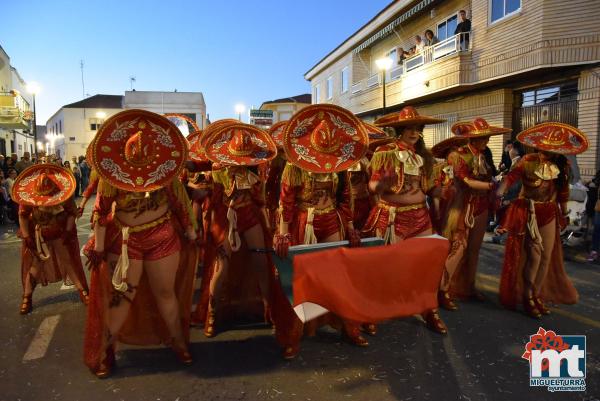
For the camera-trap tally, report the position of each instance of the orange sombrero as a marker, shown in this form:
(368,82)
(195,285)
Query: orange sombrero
(138,151)
(196,152)
(406,117)
(440,149)
(88,153)
(43,185)
(240,145)
(324,138)
(214,127)
(377,136)
(555,137)
(478,128)
(276,132)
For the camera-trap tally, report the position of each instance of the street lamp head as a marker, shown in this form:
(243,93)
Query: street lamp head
(384,63)
(33,88)
(101,114)
(240,108)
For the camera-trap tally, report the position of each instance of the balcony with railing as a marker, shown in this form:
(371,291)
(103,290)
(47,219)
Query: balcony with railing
(434,69)
(14,111)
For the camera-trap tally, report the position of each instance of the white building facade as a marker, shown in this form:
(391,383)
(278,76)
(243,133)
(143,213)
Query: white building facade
(73,126)
(16,135)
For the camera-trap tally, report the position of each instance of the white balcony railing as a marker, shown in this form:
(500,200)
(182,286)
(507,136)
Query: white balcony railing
(455,44)
(357,87)
(373,80)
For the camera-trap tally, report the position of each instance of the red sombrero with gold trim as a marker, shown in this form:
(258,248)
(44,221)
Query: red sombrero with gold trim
(276,132)
(555,137)
(138,151)
(214,127)
(406,117)
(196,152)
(440,149)
(43,185)
(88,153)
(478,128)
(240,145)
(324,138)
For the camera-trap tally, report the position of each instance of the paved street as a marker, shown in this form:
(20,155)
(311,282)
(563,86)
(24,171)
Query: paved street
(479,360)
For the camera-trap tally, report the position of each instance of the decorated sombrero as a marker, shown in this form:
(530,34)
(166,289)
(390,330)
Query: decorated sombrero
(88,153)
(43,185)
(138,151)
(324,138)
(478,128)
(177,118)
(377,136)
(554,137)
(276,132)
(196,152)
(240,145)
(406,117)
(440,150)
(214,127)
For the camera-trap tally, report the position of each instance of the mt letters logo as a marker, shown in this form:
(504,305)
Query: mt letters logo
(556,362)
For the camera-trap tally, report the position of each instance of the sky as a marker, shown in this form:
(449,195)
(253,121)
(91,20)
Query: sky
(231,51)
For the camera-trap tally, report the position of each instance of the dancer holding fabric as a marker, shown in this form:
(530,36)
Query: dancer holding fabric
(402,176)
(319,141)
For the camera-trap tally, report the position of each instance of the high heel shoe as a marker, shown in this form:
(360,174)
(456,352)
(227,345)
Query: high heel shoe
(351,333)
(530,307)
(370,328)
(84,296)
(210,329)
(26,304)
(541,307)
(182,353)
(108,362)
(291,351)
(445,301)
(434,322)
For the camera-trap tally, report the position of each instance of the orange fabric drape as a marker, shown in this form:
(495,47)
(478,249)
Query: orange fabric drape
(375,283)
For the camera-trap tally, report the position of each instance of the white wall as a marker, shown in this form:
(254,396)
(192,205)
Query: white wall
(168,102)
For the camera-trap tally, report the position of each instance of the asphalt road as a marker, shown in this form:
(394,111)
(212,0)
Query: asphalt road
(480,359)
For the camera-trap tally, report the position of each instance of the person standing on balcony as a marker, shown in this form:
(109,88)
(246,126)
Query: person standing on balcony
(419,44)
(430,38)
(464,27)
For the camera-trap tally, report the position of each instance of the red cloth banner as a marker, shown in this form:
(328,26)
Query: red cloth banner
(374,283)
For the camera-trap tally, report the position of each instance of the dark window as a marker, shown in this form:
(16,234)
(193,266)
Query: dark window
(550,94)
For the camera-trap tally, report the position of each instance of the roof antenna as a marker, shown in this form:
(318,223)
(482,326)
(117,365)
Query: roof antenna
(82,81)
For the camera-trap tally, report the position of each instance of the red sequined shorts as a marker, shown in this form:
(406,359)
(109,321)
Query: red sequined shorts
(155,242)
(410,221)
(324,224)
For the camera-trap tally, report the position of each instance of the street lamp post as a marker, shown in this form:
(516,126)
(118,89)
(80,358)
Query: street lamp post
(239,109)
(33,88)
(384,64)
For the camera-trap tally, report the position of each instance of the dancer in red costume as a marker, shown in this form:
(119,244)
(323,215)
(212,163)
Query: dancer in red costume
(402,176)
(244,280)
(444,173)
(534,271)
(47,211)
(143,266)
(319,141)
(468,212)
(271,174)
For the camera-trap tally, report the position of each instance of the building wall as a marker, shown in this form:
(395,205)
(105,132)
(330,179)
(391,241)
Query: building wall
(283,111)
(168,102)
(589,119)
